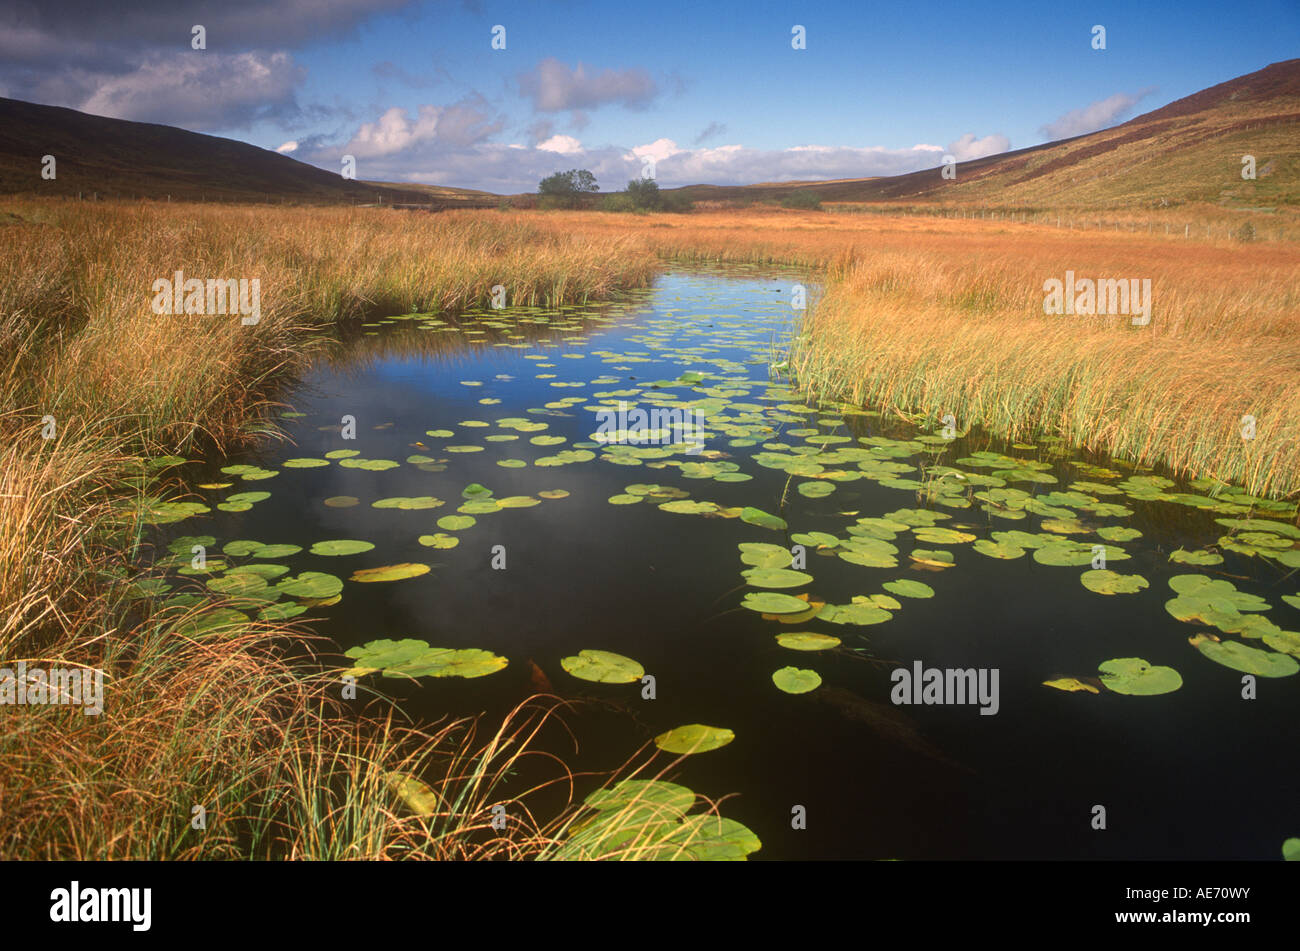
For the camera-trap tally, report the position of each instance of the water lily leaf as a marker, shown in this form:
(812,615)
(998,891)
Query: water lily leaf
(1195,557)
(248,498)
(311,584)
(905,588)
(858,612)
(1288,642)
(770,602)
(655,792)
(694,738)
(1071,684)
(419,798)
(754,516)
(261,570)
(342,501)
(603,667)
(764,555)
(1238,656)
(815,539)
(935,559)
(407,502)
(406,569)
(795,680)
(994,549)
(1134,676)
(775,578)
(553,494)
(1104,581)
(438,540)
(816,490)
(185,544)
(340,546)
(342,453)
(454,523)
(1118,533)
(807,641)
(219,620)
(304,463)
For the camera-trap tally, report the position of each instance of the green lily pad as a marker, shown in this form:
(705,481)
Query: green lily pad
(807,641)
(304,463)
(770,602)
(905,588)
(795,680)
(1183,557)
(993,549)
(1104,581)
(406,569)
(438,540)
(753,516)
(1250,660)
(603,667)
(340,546)
(454,523)
(765,555)
(342,501)
(1134,676)
(311,584)
(694,738)
(775,577)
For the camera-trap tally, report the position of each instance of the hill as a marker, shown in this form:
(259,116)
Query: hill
(1187,151)
(119,159)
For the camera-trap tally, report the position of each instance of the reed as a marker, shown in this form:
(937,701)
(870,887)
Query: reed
(237,725)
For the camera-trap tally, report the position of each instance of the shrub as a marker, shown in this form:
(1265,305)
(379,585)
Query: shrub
(804,200)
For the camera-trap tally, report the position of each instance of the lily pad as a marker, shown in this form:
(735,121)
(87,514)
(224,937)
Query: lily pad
(1103,581)
(796,680)
(1250,660)
(1134,676)
(340,546)
(406,569)
(603,667)
(807,641)
(905,588)
(694,738)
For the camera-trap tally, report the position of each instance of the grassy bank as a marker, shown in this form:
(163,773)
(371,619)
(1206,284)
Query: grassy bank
(242,725)
(940,316)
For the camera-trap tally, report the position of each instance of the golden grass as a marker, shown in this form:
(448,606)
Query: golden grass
(237,725)
(936,316)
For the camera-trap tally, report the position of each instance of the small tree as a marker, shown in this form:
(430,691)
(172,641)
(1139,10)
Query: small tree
(644,193)
(567,188)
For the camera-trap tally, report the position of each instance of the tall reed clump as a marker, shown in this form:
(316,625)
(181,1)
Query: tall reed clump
(969,337)
(945,315)
(241,724)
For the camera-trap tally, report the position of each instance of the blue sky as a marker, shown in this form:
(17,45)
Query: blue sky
(711,92)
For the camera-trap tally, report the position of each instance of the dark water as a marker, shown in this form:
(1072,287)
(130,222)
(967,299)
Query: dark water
(1196,773)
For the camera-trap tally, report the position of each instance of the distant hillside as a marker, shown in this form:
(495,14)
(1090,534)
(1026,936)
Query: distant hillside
(1188,151)
(116,159)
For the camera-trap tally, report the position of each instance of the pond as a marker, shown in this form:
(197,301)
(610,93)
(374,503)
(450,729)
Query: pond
(901,548)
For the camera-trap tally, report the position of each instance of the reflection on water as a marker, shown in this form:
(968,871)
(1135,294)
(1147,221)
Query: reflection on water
(999,538)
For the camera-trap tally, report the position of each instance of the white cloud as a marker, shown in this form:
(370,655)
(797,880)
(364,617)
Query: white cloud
(290,146)
(209,91)
(1096,115)
(968,147)
(564,144)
